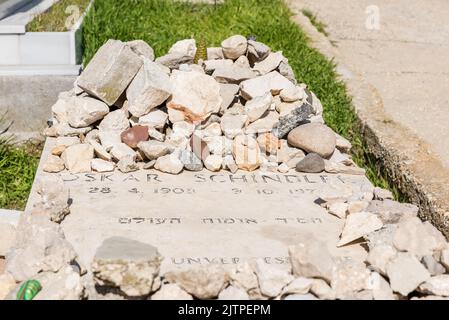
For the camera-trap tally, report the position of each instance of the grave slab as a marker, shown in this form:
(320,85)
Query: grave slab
(197,218)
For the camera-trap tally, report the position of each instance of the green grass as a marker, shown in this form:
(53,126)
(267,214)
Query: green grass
(161,23)
(59,17)
(320,26)
(17,168)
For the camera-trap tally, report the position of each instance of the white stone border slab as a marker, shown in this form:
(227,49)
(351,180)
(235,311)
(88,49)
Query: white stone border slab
(39,53)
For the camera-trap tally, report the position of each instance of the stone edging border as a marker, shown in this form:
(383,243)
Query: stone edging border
(407,160)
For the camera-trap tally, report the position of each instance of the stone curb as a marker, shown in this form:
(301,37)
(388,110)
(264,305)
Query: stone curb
(407,160)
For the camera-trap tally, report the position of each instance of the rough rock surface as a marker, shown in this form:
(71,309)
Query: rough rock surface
(127,264)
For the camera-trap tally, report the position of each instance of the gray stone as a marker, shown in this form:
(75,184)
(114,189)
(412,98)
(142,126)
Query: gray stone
(40,246)
(190,161)
(310,258)
(149,89)
(202,282)
(291,121)
(322,290)
(126,264)
(257,51)
(349,277)
(174,60)
(298,286)
(233,74)
(406,273)
(379,257)
(312,163)
(433,266)
(381,289)
(390,211)
(141,48)
(313,137)
(215,53)
(412,235)
(287,71)
(110,71)
(382,194)
(234,47)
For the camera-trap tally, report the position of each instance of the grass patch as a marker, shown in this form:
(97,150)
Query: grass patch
(161,23)
(58,18)
(320,26)
(18,166)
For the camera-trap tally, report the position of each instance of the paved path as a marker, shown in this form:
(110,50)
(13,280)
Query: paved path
(406,59)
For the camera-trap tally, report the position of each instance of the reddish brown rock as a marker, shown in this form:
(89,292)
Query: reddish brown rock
(134,135)
(199,147)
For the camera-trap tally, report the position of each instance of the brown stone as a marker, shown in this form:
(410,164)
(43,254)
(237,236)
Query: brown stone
(199,147)
(134,135)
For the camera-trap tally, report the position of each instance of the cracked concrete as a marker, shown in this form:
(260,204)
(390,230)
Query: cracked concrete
(397,75)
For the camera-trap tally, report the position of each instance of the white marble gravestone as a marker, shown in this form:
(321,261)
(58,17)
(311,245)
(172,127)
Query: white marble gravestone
(197,218)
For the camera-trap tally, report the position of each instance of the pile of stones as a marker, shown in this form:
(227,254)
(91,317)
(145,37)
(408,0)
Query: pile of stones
(238,108)
(405,258)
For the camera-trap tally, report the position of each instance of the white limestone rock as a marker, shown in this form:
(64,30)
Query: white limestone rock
(100,165)
(121,150)
(171,291)
(272,82)
(379,257)
(213,162)
(141,48)
(84,111)
(232,125)
(115,121)
(149,89)
(195,95)
(77,158)
(270,63)
(156,119)
(233,293)
(357,225)
(63,285)
(154,149)
(169,163)
(257,107)
(272,279)
(437,285)
(234,47)
(186,47)
(205,282)
(406,273)
(53,164)
(310,258)
(7,284)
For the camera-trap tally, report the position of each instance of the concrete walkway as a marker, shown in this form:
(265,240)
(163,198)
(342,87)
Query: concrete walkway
(394,57)
(406,59)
